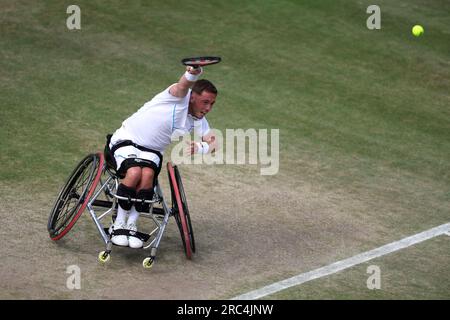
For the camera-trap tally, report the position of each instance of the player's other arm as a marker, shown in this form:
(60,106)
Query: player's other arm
(207,145)
(187,80)
(210,139)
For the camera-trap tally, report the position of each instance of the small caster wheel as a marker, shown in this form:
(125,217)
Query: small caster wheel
(103,257)
(148,263)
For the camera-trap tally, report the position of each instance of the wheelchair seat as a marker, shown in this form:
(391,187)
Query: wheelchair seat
(111,162)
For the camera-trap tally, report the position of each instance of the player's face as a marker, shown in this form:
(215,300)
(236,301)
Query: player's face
(201,104)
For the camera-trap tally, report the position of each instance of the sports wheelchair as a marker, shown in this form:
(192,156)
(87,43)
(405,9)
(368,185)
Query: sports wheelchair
(93,185)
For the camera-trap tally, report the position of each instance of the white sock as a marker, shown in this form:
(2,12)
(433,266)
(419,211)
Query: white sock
(121,215)
(134,215)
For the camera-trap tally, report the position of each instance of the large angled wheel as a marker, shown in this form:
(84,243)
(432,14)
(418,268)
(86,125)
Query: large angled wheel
(180,210)
(185,207)
(74,196)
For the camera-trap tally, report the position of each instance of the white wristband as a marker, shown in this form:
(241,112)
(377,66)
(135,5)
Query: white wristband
(192,77)
(203,147)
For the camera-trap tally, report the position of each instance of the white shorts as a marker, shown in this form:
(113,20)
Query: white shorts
(127,152)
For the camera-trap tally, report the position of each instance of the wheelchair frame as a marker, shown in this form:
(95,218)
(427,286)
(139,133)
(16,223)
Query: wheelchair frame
(99,180)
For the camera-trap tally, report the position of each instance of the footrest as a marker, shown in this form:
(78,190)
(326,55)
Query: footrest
(125,232)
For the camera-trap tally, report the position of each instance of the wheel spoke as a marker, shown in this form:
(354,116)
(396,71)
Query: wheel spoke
(71,200)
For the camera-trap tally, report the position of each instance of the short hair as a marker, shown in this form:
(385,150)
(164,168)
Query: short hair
(204,85)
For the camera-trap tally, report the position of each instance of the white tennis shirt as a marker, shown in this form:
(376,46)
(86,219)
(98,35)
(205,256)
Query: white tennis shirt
(158,120)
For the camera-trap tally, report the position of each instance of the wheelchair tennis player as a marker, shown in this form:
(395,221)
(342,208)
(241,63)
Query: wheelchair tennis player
(138,145)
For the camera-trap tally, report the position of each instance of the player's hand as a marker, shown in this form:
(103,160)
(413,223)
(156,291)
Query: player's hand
(192,148)
(194,71)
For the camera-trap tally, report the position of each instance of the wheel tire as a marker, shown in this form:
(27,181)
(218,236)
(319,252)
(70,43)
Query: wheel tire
(80,186)
(178,211)
(185,208)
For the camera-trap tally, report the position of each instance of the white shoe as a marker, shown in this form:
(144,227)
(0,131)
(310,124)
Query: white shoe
(134,242)
(120,240)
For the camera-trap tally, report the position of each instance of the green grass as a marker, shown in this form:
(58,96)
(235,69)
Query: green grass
(361,113)
(413,273)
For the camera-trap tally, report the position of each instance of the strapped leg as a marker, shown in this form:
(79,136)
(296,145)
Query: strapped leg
(128,192)
(143,194)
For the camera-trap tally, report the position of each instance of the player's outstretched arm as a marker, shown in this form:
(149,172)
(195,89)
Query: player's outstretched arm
(186,82)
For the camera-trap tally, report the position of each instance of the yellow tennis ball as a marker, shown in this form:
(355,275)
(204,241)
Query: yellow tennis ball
(417,30)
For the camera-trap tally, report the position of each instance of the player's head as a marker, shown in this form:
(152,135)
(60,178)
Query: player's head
(203,97)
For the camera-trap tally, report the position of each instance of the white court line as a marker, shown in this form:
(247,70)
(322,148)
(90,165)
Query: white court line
(344,264)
